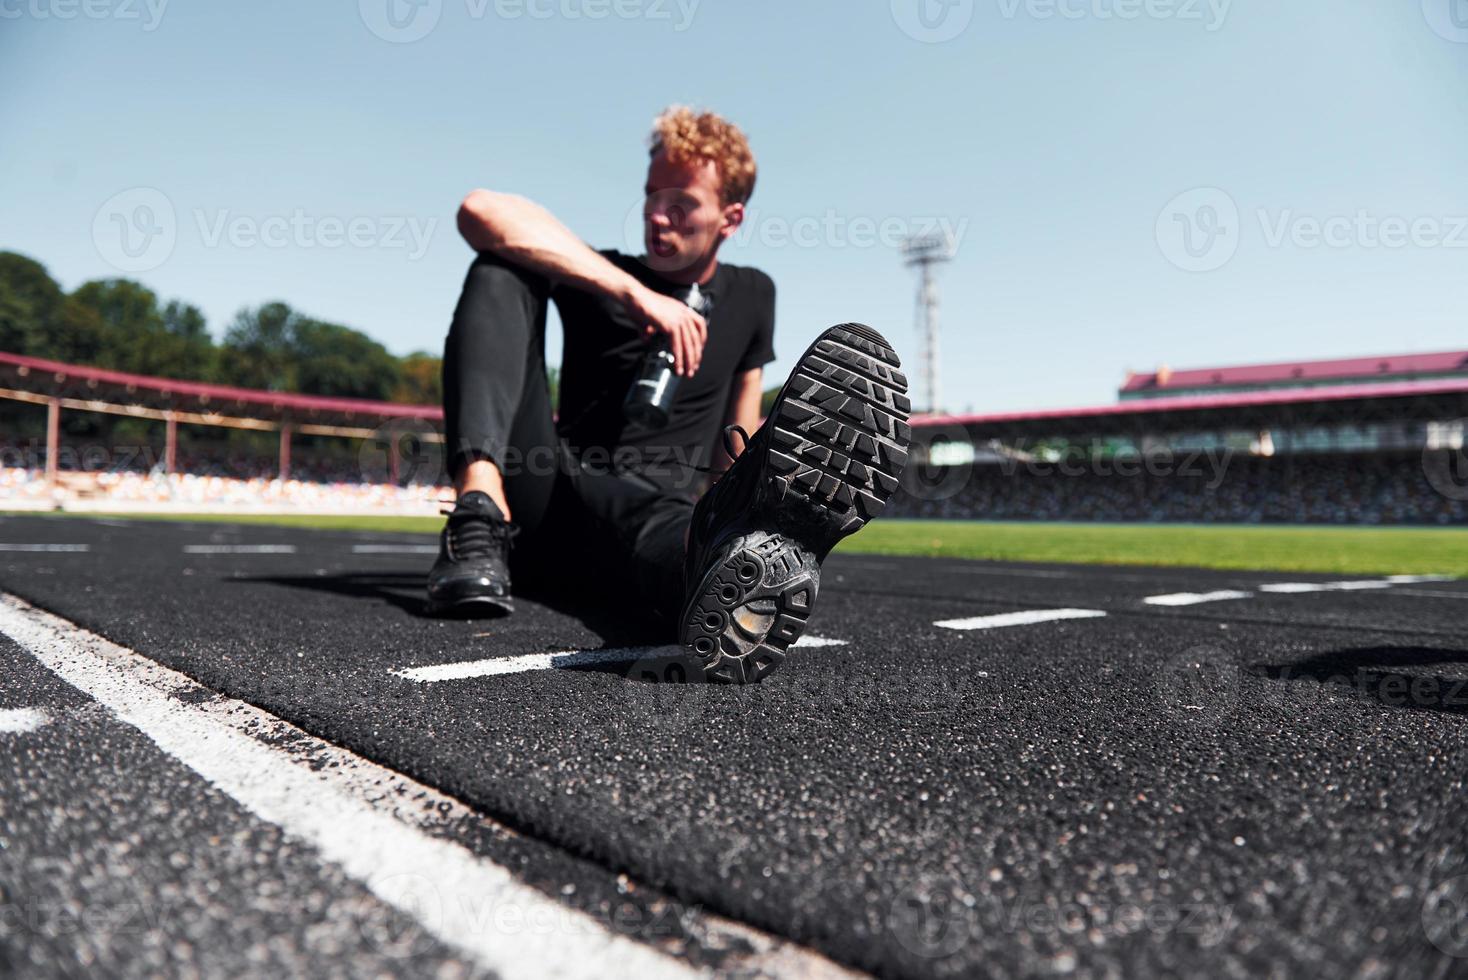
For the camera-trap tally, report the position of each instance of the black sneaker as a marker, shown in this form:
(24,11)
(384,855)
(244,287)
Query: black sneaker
(472,574)
(821,466)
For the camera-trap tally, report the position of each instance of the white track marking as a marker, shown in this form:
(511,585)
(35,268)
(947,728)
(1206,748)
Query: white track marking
(1026,618)
(1363,585)
(18,721)
(46,547)
(239,549)
(395,549)
(1432,593)
(1195,598)
(369,820)
(559,660)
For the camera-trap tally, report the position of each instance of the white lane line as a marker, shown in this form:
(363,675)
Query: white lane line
(46,547)
(1432,593)
(239,549)
(1195,598)
(558,660)
(18,721)
(395,549)
(367,819)
(1363,585)
(1027,618)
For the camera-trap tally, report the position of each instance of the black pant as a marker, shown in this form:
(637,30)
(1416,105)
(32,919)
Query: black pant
(587,528)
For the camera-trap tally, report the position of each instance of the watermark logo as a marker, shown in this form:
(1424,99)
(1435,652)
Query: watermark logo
(1446,465)
(932,21)
(829,229)
(400,21)
(1198,231)
(399,920)
(1199,686)
(400,452)
(1445,916)
(1448,19)
(1210,13)
(940,462)
(149,13)
(135,230)
(1201,230)
(934,921)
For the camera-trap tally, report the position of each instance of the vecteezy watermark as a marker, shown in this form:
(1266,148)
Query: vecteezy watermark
(1078,461)
(406,21)
(1199,686)
(1210,13)
(1445,916)
(936,21)
(932,21)
(830,229)
(402,452)
(301,229)
(935,920)
(405,910)
(1445,459)
(148,13)
(1448,19)
(137,230)
(1201,230)
(1198,231)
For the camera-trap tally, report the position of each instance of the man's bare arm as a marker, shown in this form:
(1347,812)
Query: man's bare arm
(526,234)
(744,399)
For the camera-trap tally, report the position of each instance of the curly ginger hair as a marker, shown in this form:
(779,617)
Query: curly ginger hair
(690,136)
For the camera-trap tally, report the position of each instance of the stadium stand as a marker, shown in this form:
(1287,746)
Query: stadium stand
(1363,441)
(385,460)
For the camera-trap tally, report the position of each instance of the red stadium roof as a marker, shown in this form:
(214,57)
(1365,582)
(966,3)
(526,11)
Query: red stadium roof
(212,393)
(1283,396)
(1361,368)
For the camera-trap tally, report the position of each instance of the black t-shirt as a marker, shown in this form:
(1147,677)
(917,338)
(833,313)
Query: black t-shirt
(604,348)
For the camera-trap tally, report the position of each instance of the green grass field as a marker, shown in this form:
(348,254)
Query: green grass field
(1330,550)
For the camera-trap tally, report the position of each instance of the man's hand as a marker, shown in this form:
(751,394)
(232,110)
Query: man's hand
(685,329)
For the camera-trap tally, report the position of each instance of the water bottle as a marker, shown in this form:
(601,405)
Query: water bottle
(649,401)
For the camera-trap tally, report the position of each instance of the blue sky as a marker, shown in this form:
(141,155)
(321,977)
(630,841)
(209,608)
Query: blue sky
(1132,182)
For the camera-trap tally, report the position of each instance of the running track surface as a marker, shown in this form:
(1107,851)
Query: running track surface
(972,769)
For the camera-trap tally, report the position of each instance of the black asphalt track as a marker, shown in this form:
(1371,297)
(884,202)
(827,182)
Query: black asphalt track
(1272,784)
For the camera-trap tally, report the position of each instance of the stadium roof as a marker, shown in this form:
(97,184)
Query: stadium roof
(1209,411)
(53,378)
(1362,368)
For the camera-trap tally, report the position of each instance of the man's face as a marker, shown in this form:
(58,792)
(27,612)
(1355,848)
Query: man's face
(684,221)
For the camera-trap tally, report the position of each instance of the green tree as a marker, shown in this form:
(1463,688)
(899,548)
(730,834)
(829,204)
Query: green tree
(30,303)
(420,380)
(335,360)
(257,351)
(139,335)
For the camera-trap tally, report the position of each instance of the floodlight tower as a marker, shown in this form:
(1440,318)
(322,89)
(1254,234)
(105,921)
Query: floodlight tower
(925,252)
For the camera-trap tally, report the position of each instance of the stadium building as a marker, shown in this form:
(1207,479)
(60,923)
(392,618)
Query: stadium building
(1369,440)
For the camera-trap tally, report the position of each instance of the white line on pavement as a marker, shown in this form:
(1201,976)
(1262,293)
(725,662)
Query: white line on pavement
(1364,585)
(1027,618)
(1194,598)
(240,549)
(557,660)
(18,721)
(1432,593)
(395,549)
(369,820)
(46,547)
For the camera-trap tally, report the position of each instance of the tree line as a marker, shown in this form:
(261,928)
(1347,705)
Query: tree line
(122,325)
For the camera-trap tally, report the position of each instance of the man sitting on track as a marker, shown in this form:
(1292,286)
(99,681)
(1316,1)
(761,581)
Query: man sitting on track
(604,495)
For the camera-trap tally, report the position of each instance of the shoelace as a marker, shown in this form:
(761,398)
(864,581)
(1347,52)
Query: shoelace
(726,433)
(477,536)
